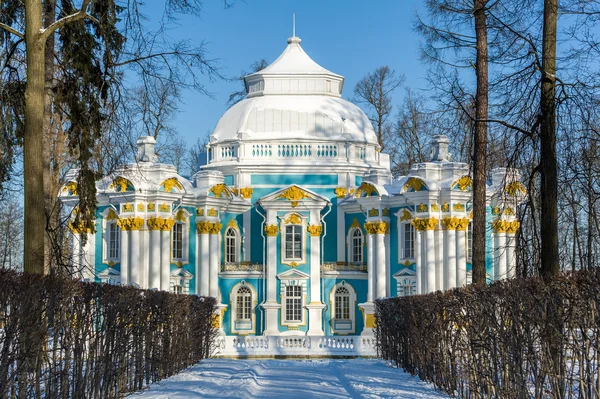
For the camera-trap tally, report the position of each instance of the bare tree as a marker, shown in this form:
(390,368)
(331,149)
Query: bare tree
(375,90)
(239,95)
(11,234)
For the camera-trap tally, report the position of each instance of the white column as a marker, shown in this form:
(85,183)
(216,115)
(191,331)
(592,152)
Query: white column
(214,263)
(388,273)
(380,264)
(76,257)
(124,256)
(154,273)
(90,256)
(247,235)
(439,262)
(418,261)
(450,242)
(502,256)
(315,306)
(461,258)
(134,258)
(145,257)
(370,264)
(271,306)
(511,260)
(341,234)
(165,259)
(430,256)
(204,263)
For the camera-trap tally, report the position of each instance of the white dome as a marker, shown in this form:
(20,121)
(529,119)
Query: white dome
(295,98)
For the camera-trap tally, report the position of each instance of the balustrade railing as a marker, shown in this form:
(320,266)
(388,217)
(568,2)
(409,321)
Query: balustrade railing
(241,267)
(343,266)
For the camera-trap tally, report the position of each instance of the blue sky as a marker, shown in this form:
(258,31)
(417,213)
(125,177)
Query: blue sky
(351,38)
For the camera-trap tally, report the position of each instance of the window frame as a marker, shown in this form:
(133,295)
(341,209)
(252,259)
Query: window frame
(343,326)
(351,247)
(174,240)
(181,218)
(287,221)
(236,247)
(469,241)
(243,326)
(295,296)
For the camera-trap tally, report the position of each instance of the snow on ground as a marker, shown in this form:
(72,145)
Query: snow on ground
(351,378)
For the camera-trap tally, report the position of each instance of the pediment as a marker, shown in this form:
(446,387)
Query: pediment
(110,272)
(405,272)
(295,194)
(181,273)
(293,274)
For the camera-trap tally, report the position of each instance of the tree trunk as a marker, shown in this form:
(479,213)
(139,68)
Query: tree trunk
(35,221)
(548,166)
(49,183)
(480,147)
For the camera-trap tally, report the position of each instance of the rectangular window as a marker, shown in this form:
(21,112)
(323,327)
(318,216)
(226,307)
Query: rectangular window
(409,241)
(293,242)
(178,241)
(469,241)
(293,303)
(407,290)
(113,240)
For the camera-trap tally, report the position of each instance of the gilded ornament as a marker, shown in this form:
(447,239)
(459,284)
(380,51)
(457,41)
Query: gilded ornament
(450,223)
(180,216)
(385,212)
(293,264)
(141,208)
(128,208)
(155,223)
(111,215)
(111,263)
(463,223)
(373,212)
(501,226)
(341,192)
(121,184)
(78,227)
(515,188)
(271,230)
(414,184)
(422,208)
(315,230)
(405,215)
(514,226)
(234,191)
(219,189)
(435,207)
(233,224)
(199,212)
(294,194)
(495,211)
(171,183)
(381,227)
(168,224)
(164,208)
(131,223)
(458,207)
(246,192)
(445,207)
(509,211)
(203,227)
(463,184)
(212,212)
(355,224)
(366,188)
(151,207)
(70,188)
(179,264)
(293,219)
(215,228)
(425,223)
(352,192)
(406,263)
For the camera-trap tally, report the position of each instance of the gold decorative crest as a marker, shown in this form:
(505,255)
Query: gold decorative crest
(422,208)
(414,184)
(151,207)
(355,224)
(294,194)
(435,207)
(385,212)
(233,224)
(373,212)
(341,192)
(180,216)
(367,188)
(271,230)
(219,189)
(458,207)
(199,212)
(128,208)
(246,192)
(293,264)
(405,215)
(445,207)
(515,188)
(141,207)
(171,183)
(112,215)
(70,188)
(293,219)
(121,184)
(212,212)
(463,184)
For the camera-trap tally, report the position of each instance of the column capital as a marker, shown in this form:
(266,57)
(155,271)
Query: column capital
(215,228)
(131,223)
(315,230)
(505,226)
(425,223)
(377,227)
(203,227)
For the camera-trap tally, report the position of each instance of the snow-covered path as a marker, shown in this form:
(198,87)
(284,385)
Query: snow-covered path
(354,378)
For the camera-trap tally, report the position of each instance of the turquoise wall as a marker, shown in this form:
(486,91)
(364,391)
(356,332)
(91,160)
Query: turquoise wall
(285,180)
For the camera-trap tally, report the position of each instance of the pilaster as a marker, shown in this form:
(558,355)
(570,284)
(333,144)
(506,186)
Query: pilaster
(214,259)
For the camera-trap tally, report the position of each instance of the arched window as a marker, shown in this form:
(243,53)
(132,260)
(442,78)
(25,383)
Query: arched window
(231,246)
(357,247)
(243,304)
(114,237)
(342,304)
(177,241)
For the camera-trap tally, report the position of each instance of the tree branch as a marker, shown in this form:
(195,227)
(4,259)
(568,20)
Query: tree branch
(12,30)
(79,15)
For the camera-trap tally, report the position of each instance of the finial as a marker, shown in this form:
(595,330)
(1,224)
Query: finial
(294,24)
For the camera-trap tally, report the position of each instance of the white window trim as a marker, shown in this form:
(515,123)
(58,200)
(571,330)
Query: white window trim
(110,276)
(180,277)
(333,322)
(236,245)
(402,242)
(469,254)
(185,259)
(292,277)
(283,224)
(405,279)
(106,238)
(350,244)
(233,313)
